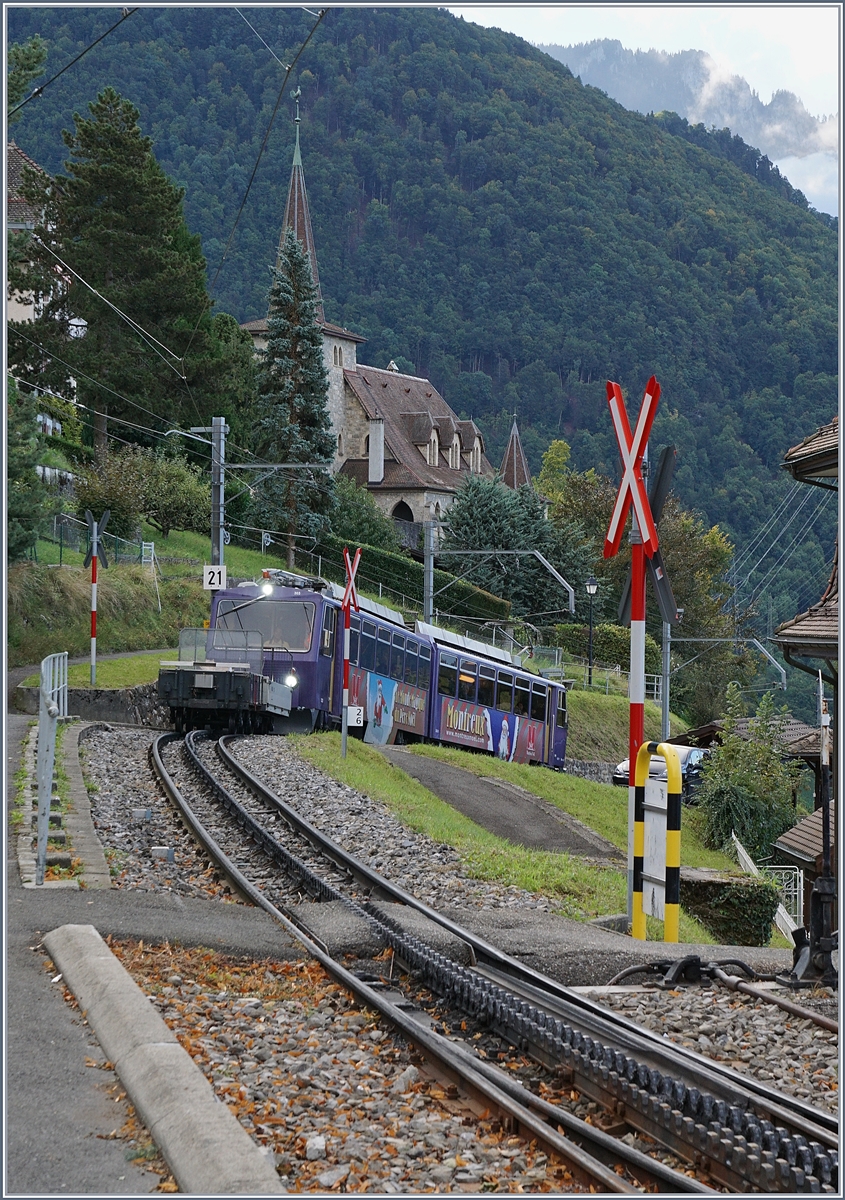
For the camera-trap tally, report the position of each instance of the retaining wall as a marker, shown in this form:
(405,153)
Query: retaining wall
(131,706)
(598,772)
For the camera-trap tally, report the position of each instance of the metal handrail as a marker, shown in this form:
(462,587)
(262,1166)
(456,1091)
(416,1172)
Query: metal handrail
(52,704)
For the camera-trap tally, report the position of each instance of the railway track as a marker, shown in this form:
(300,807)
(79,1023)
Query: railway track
(732,1130)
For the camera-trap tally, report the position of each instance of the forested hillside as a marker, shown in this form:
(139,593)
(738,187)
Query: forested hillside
(501,228)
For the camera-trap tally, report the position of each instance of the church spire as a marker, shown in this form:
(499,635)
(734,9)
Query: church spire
(514,469)
(297,215)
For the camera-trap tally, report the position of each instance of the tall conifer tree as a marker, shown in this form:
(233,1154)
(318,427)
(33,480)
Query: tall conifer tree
(292,418)
(116,221)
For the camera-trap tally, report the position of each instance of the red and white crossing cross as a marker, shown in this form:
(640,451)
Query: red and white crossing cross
(632,448)
(350,596)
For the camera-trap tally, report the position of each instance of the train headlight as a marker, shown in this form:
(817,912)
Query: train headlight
(267,588)
(291,679)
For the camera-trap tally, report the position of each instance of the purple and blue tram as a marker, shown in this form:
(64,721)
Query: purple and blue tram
(420,684)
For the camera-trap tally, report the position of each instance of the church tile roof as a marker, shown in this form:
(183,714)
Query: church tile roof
(410,408)
(18,212)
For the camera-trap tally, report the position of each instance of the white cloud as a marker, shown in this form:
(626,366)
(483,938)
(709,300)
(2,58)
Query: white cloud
(791,46)
(817,176)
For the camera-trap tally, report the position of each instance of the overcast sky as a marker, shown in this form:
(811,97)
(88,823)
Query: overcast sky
(773,46)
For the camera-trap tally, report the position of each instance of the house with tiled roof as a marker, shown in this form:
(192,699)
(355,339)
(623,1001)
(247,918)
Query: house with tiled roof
(394,433)
(20,217)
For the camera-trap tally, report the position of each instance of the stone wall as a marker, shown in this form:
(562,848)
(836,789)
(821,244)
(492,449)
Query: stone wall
(132,706)
(598,772)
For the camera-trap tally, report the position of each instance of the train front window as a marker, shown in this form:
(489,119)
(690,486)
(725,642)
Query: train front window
(538,702)
(368,646)
(504,692)
(383,652)
(466,680)
(447,676)
(397,658)
(486,686)
(283,624)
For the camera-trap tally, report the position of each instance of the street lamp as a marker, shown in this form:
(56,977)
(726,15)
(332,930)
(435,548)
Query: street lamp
(592,587)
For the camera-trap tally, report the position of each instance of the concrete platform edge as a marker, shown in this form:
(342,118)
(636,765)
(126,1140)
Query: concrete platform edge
(206,1148)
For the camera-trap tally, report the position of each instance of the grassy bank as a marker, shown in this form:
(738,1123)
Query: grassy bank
(604,809)
(49,610)
(578,890)
(114,672)
(598,725)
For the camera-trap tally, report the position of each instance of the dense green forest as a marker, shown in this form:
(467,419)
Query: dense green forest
(515,236)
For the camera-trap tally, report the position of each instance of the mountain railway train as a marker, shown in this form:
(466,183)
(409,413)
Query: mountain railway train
(272,660)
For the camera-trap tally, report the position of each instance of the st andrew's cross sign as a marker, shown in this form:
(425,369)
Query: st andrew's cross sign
(632,448)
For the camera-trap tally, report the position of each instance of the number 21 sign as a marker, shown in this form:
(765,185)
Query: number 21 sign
(213,578)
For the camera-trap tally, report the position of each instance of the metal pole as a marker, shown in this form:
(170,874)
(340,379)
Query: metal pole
(428,571)
(664,685)
(95,545)
(636,709)
(344,729)
(590,651)
(219,430)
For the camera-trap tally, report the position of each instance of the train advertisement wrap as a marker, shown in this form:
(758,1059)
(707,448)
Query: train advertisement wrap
(390,707)
(513,738)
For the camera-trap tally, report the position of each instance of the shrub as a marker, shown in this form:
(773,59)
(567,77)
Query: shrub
(747,786)
(611,645)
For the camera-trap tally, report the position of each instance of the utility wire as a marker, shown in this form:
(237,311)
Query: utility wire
(760,586)
(142,333)
(127,12)
(261,39)
(288,70)
(761,533)
(783,528)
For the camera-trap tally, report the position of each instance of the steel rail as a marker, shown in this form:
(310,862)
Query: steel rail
(738,1145)
(653,1052)
(590,1153)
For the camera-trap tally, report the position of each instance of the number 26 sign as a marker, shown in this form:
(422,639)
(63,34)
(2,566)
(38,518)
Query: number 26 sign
(213,578)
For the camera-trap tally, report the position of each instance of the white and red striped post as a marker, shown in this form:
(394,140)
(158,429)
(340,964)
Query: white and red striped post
(632,495)
(94,605)
(350,597)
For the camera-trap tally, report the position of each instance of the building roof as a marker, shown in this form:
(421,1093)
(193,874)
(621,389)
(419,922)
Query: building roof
(816,459)
(814,633)
(514,469)
(18,212)
(411,408)
(802,844)
(793,731)
(259,326)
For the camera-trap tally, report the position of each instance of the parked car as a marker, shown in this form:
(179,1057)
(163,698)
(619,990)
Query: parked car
(692,760)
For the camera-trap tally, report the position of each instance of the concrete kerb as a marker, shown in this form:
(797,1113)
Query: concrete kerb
(206,1148)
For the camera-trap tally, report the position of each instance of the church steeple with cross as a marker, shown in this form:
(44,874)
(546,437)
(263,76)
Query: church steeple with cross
(514,469)
(297,214)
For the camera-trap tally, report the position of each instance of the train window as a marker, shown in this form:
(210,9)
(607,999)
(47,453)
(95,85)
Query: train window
(354,638)
(520,698)
(504,692)
(383,652)
(327,636)
(538,701)
(467,680)
(424,676)
(397,657)
(486,686)
(447,677)
(286,624)
(368,646)
(411,653)
(561,708)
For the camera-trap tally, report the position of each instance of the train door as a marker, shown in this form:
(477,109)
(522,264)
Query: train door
(326,660)
(558,721)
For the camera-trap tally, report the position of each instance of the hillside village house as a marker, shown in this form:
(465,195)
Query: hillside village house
(394,433)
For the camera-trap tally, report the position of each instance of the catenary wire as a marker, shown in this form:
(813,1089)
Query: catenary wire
(761,533)
(127,12)
(151,341)
(796,539)
(262,148)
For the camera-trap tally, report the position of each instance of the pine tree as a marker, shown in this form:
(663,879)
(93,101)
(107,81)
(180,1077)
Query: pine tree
(116,221)
(292,419)
(25,63)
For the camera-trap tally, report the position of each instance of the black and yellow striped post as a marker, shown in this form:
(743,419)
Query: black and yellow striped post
(672,889)
(640,776)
